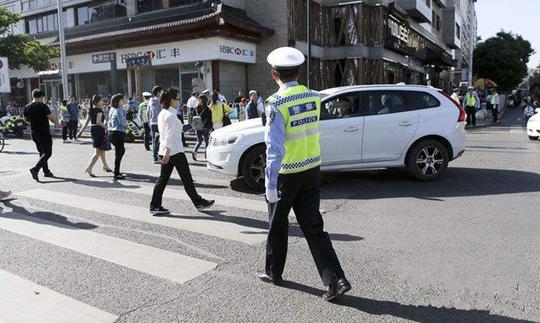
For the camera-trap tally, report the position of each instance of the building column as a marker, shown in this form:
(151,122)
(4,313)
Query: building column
(131,6)
(129,85)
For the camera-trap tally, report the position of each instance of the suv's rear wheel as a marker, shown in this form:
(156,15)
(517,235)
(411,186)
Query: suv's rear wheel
(253,168)
(427,160)
(533,138)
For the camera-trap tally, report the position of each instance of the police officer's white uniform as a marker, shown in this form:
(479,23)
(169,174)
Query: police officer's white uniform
(293,174)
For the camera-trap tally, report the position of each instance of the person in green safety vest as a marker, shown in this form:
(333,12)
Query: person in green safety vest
(471,101)
(293,173)
(143,116)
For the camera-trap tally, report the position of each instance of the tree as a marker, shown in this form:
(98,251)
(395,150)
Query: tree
(21,49)
(534,83)
(503,59)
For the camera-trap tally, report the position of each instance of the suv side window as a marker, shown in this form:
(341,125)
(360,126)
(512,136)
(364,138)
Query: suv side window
(384,102)
(395,101)
(342,106)
(422,100)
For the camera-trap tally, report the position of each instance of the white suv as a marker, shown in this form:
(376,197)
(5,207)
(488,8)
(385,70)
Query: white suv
(375,126)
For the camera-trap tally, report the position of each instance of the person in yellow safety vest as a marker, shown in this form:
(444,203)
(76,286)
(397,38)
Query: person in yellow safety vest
(143,116)
(293,173)
(471,101)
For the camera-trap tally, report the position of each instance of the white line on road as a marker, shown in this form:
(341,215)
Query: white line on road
(149,260)
(200,223)
(24,301)
(177,192)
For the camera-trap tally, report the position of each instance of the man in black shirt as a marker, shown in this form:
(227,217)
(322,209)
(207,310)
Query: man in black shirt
(39,115)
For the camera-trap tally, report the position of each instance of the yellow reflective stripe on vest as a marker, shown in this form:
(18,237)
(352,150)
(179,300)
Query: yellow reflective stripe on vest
(302,134)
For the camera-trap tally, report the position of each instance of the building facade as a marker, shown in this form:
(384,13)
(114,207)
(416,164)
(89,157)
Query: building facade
(129,45)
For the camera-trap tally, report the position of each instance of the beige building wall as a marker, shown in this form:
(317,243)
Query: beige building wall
(232,78)
(271,14)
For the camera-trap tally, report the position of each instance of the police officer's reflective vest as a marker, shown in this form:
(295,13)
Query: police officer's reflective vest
(300,109)
(470,100)
(143,107)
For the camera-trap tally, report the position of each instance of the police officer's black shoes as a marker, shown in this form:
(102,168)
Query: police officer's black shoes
(48,174)
(338,288)
(269,279)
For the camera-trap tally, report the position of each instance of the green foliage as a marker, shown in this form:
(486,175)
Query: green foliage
(534,84)
(21,49)
(503,59)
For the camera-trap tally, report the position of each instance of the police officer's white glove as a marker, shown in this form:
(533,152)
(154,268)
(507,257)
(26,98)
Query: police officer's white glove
(272,195)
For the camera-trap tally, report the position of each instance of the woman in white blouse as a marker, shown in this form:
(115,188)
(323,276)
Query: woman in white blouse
(172,155)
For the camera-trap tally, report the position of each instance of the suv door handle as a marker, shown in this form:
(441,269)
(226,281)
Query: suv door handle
(351,129)
(405,124)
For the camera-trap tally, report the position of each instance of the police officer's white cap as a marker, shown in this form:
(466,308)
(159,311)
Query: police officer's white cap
(146,94)
(285,57)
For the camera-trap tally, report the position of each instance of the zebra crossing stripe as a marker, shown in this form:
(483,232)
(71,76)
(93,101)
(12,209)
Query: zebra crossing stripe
(150,260)
(199,223)
(256,204)
(24,301)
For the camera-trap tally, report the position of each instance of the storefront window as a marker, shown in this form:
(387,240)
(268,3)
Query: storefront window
(90,84)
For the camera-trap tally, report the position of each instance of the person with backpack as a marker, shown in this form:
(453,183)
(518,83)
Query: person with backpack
(202,124)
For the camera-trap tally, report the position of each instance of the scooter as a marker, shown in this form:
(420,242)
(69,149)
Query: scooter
(14,125)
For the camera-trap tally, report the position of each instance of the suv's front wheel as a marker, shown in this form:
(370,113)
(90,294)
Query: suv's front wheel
(253,166)
(427,160)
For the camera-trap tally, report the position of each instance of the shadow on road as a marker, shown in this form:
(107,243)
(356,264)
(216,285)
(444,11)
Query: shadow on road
(417,313)
(294,230)
(7,152)
(379,184)
(172,181)
(41,217)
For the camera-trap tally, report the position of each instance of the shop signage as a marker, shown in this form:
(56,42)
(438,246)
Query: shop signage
(5,86)
(138,62)
(103,58)
(187,51)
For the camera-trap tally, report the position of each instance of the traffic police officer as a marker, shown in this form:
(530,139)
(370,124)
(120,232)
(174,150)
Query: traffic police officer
(293,173)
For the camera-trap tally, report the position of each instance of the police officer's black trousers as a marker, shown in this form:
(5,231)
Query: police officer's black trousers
(301,191)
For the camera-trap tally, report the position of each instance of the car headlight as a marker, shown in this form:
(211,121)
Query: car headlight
(225,141)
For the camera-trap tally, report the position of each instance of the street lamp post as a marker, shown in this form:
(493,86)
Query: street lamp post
(308,40)
(63,64)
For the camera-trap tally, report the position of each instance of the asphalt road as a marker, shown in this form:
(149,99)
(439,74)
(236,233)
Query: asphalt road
(464,248)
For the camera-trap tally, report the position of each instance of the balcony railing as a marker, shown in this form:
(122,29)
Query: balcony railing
(436,57)
(418,9)
(397,45)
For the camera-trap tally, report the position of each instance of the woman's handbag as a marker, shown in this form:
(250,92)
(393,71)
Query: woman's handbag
(226,119)
(106,142)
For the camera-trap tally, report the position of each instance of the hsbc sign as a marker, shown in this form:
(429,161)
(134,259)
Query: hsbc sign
(224,49)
